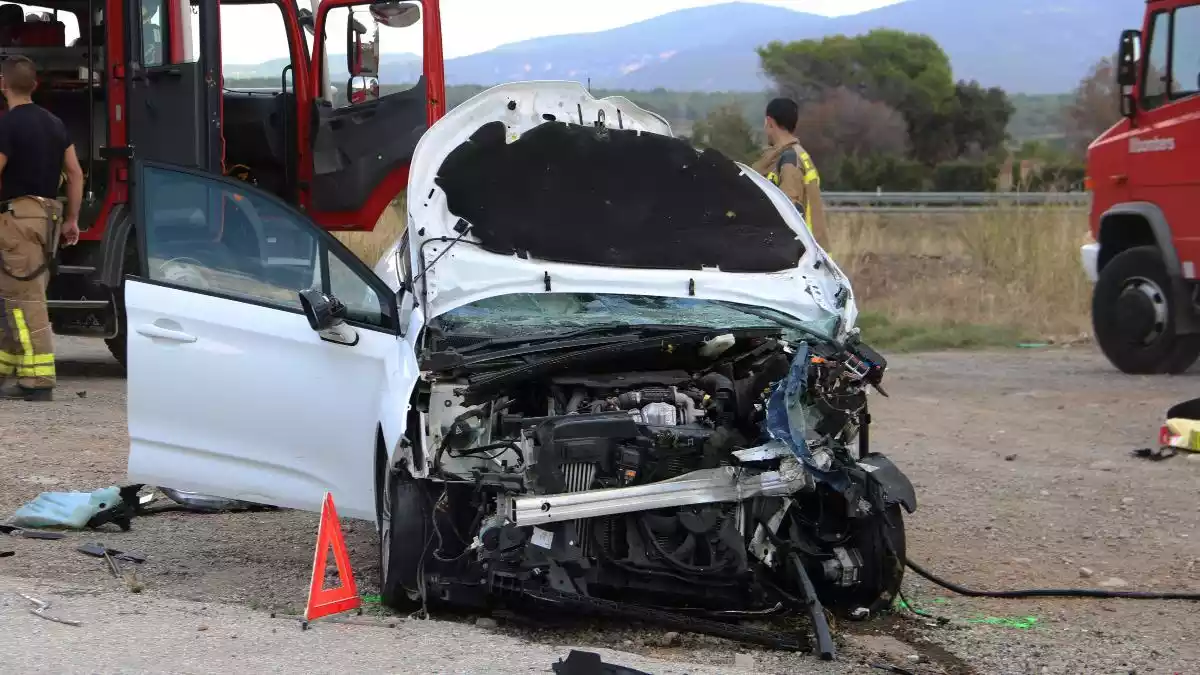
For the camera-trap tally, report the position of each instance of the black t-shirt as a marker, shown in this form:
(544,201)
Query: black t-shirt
(34,141)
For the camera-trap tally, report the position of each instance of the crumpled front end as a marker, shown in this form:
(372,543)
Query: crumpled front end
(734,479)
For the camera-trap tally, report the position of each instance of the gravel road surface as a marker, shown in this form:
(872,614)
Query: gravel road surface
(1023,469)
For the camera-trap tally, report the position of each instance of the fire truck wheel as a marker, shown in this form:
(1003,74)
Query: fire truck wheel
(130,264)
(116,347)
(1134,319)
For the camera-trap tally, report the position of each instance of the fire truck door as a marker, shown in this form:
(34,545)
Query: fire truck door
(362,143)
(173,99)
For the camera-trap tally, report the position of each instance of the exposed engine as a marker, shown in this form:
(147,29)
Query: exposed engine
(673,487)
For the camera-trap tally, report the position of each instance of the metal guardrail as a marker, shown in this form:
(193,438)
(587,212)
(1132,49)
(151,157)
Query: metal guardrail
(950,202)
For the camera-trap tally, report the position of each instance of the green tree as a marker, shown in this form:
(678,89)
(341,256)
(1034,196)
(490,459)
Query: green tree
(726,129)
(907,71)
(980,118)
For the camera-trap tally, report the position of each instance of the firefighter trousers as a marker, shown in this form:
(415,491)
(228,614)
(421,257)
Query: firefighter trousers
(28,234)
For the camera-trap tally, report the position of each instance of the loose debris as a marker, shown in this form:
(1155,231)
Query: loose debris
(42,606)
(1155,454)
(112,559)
(16,531)
(73,510)
(590,663)
(101,551)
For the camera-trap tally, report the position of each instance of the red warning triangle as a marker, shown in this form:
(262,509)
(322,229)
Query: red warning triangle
(322,601)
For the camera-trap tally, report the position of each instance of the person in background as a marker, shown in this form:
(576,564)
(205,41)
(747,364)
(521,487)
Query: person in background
(35,152)
(786,163)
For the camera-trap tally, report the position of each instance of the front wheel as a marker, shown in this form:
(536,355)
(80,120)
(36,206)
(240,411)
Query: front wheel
(404,528)
(1133,315)
(880,541)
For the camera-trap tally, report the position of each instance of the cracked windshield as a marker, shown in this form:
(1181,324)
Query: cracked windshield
(546,314)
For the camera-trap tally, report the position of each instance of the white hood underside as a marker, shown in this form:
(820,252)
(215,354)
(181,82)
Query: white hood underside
(467,272)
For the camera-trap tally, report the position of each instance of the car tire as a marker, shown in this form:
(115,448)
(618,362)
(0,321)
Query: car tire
(1134,318)
(404,535)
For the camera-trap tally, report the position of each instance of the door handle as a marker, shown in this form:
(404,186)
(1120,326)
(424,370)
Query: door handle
(152,331)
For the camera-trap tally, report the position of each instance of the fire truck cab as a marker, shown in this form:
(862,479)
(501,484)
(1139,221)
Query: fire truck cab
(1145,182)
(144,81)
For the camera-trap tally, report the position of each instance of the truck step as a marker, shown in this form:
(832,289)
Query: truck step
(75,269)
(77,304)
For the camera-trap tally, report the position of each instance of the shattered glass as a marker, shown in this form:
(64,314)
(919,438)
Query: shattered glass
(550,313)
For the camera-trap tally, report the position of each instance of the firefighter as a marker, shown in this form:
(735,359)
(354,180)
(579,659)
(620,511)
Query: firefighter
(788,165)
(35,151)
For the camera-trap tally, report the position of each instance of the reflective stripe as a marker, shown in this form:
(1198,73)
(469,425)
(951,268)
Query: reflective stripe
(7,359)
(30,363)
(773,177)
(18,316)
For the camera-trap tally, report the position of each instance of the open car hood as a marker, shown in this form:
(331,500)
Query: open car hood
(509,193)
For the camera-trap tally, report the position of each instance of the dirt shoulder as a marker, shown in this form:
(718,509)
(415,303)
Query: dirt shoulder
(1021,461)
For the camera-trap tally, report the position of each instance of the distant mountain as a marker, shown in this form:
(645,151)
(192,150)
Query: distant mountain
(1026,46)
(395,68)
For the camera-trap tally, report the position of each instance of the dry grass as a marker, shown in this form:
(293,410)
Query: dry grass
(1014,270)
(370,246)
(928,281)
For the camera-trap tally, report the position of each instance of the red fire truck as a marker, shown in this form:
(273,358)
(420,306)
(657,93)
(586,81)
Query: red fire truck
(1145,180)
(145,80)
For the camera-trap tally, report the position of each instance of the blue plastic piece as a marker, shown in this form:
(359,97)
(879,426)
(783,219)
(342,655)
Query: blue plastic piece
(786,419)
(65,509)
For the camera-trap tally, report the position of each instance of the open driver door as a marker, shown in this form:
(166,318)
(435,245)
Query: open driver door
(362,142)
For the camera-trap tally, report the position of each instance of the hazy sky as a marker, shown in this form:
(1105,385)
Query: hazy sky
(253,34)
(471,26)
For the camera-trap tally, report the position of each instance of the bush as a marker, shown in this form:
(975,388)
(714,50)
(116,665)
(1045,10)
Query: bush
(1058,178)
(891,174)
(963,176)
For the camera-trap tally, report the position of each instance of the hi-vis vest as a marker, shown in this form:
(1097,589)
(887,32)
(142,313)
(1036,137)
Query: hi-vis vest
(810,177)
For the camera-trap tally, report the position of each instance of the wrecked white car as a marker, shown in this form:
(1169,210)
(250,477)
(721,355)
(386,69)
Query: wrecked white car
(601,370)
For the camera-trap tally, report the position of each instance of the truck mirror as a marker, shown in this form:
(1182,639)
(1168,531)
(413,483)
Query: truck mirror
(1127,58)
(354,46)
(396,14)
(362,89)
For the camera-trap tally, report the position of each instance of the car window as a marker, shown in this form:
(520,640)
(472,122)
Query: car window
(1185,52)
(227,238)
(211,236)
(1154,82)
(363,303)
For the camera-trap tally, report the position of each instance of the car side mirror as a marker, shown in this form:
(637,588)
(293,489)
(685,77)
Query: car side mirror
(323,311)
(327,316)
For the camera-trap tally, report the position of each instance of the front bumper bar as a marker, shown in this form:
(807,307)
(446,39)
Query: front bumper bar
(723,484)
